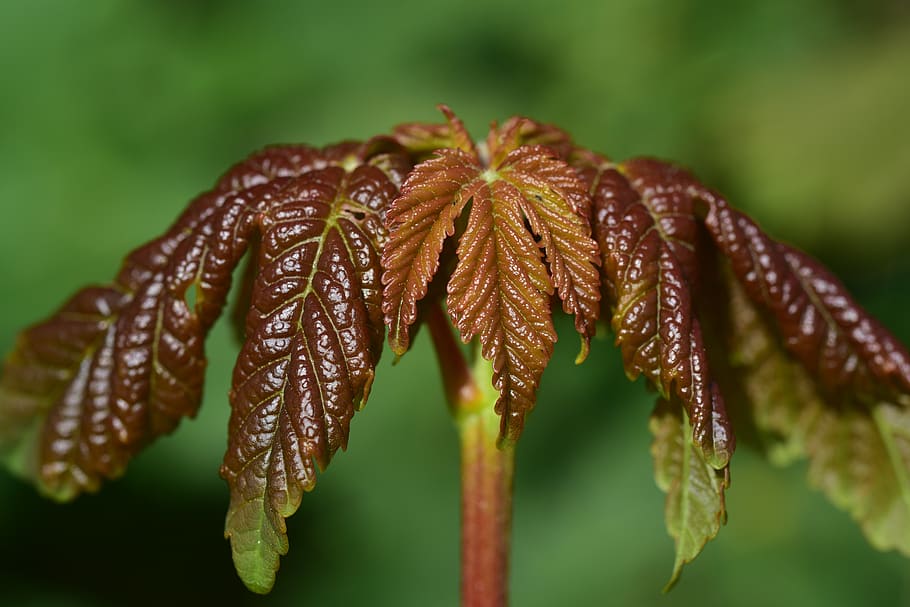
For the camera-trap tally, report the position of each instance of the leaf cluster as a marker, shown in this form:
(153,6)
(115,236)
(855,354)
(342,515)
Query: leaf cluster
(735,331)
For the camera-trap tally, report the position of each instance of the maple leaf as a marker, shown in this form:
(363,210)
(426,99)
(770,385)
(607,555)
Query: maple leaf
(526,236)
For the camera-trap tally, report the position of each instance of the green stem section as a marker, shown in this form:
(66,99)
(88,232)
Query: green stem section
(486,470)
(486,509)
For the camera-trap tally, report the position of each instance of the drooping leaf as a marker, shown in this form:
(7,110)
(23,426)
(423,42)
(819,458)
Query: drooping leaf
(837,341)
(313,337)
(419,221)
(645,222)
(822,379)
(860,457)
(525,236)
(49,388)
(118,366)
(780,398)
(695,507)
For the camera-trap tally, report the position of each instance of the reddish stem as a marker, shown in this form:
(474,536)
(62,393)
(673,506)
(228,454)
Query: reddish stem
(486,469)
(457,379)
(486,510)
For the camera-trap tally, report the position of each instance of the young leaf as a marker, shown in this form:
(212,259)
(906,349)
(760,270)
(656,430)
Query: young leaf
(645,222)
(118,366)
(780,398)
(50,397)
(526,235)
(524,131)
(421,139)
(695,507)
(313,337)
(419,221)
(837,342)
(835,388)
(860,457)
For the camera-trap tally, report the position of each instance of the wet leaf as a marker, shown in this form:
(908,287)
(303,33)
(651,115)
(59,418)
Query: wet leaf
(526,236)
(823,380)
(646,224)
(313,337)
(419,221)
(118,366)
(837,342)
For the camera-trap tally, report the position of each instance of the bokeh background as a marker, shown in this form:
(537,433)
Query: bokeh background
(115,113)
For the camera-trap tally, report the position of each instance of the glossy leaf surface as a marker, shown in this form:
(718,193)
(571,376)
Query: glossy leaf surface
(834,387)
(645,223)
(525,237)
(345,240)
(118,366)
(313,339)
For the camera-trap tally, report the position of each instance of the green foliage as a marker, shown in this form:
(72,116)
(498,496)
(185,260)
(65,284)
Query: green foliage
(695,507)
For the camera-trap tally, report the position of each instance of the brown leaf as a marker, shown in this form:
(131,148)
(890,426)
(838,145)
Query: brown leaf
(822,326)
(120,365)
(422,139)
(419,221)
(562,230)
(646,223)
(314,335)
(525,236)
(822,379)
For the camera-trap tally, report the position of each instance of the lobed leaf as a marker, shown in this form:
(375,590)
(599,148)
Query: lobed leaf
(558,211)
(500,291)
(313,337)
(119,365)
(500,287)
(526,235)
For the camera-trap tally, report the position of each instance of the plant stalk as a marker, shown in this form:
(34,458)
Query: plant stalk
(486,510)
(487,469)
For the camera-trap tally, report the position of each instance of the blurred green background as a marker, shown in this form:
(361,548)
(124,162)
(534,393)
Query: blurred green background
(113,114)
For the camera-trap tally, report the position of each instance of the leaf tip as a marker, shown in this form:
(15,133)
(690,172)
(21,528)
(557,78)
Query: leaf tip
(674,577)
(446,111)
(585,350)
(256,546)
(399,346)
(718,459)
